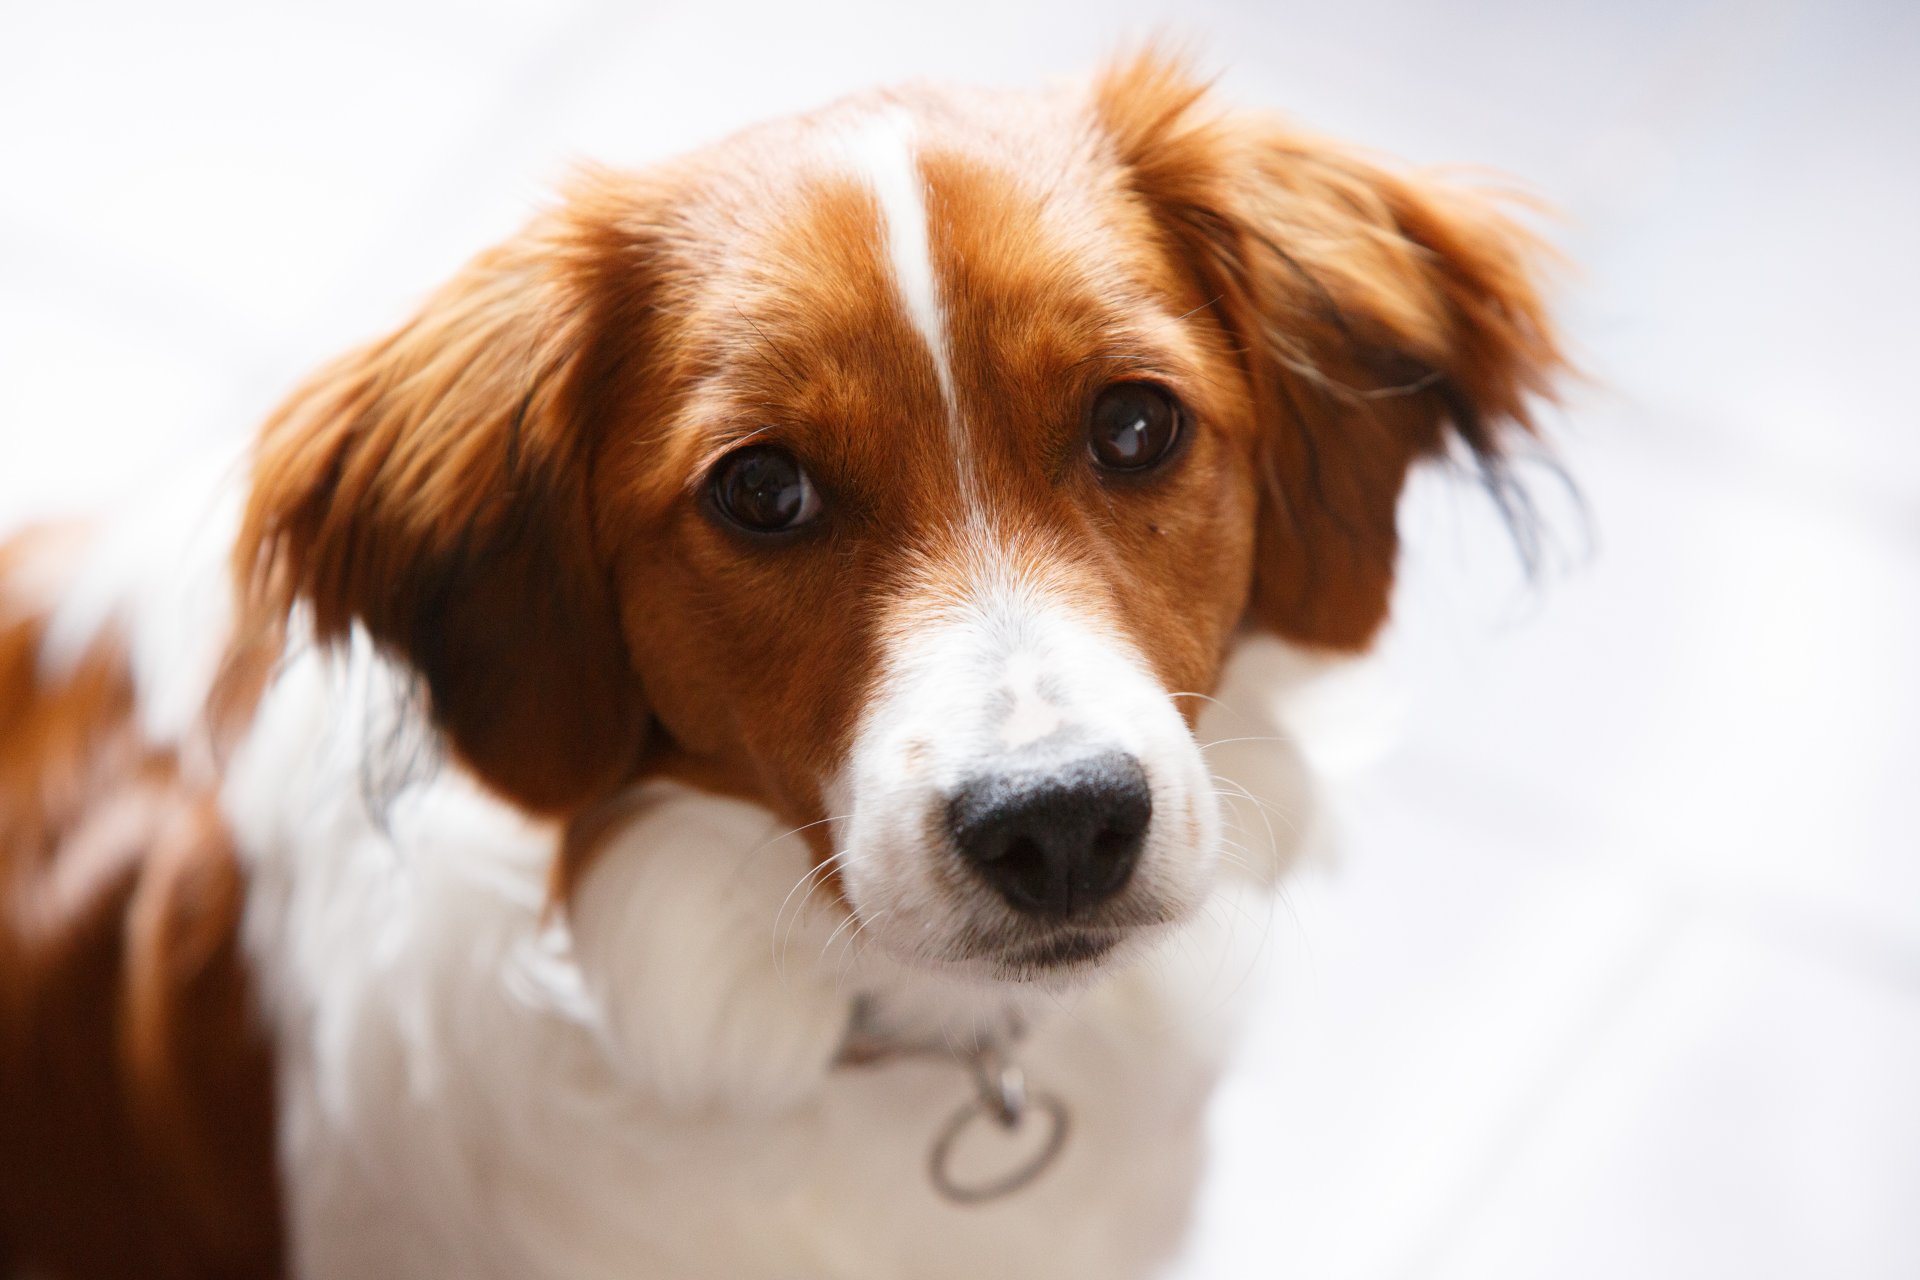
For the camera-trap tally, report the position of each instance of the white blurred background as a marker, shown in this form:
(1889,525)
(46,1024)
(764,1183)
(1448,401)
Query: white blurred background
(1617,969)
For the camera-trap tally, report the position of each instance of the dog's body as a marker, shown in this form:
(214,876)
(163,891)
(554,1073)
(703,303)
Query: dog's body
(528,824)
(450,1101)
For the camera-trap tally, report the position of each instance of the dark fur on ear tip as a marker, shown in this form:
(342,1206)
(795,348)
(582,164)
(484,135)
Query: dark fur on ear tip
(1483,451)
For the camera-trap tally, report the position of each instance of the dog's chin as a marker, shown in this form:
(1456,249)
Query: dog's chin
(1054,957)
(1064,958)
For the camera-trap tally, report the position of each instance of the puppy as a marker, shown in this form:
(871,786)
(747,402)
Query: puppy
(682,759)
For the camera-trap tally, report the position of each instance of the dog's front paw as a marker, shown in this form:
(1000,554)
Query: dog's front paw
(694,932)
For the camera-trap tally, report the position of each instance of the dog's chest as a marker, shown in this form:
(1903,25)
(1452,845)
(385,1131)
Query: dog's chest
(469,1091)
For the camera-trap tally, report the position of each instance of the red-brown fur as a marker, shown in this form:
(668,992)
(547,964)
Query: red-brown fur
(507,495)
(135,1083)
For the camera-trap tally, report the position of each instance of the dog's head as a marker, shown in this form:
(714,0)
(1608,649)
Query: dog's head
(910,467)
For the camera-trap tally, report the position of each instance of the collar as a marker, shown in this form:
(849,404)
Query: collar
(1028,1128)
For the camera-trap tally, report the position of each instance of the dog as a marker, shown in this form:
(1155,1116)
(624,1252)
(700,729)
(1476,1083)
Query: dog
(686,758)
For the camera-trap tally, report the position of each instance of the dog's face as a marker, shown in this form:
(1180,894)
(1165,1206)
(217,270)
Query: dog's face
(909,467)
(963,494)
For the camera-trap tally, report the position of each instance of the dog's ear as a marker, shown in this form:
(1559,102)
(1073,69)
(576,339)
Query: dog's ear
(434,489)
(1377,316)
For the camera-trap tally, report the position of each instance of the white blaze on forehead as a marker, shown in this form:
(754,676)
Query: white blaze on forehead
(881,149)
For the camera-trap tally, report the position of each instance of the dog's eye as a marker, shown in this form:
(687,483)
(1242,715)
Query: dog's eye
(1133,426)
(763,489)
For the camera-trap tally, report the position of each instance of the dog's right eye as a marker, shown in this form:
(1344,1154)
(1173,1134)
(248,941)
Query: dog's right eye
(1133,426)
(764,489)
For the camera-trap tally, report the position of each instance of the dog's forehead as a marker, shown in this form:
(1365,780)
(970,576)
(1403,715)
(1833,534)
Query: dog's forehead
(910,263)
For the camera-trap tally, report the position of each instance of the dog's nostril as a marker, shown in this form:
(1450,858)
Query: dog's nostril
(1059,840)
(1019,849)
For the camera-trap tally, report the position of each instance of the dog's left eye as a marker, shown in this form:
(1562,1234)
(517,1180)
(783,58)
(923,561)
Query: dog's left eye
(1133,426)
(764,489)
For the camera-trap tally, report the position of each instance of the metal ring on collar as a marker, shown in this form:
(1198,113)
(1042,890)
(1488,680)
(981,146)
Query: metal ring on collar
(1041,1108)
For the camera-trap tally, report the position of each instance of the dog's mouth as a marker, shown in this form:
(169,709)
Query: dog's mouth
(1062,952)
(1051,954)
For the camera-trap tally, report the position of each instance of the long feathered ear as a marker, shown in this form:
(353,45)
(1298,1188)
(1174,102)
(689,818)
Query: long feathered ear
(433,488)
(1380,317)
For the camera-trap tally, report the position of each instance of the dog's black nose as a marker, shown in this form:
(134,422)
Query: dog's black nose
(1055,840)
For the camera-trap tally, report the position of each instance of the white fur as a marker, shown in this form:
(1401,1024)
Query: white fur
(157,578)
(469,1088)
(1034,715)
